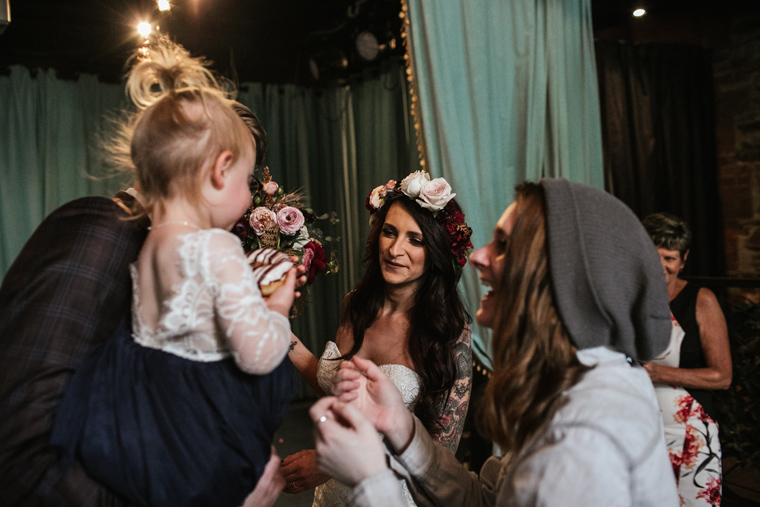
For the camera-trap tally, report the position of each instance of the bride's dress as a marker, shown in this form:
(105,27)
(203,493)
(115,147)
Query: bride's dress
(333,492)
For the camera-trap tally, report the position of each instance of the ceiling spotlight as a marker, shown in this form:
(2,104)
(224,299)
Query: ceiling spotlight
(144,29)
(639,12)
(163,5)
(369,47)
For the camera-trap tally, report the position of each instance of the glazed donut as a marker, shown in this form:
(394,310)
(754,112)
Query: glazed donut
(269,268)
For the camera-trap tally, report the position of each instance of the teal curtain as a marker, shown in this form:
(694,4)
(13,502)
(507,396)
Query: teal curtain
(334,144)
(46,151)
(507,92)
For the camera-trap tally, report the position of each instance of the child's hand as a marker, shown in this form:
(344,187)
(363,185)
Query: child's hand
(282,299)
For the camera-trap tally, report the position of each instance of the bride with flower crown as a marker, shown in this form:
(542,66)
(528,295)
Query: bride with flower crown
(405,314)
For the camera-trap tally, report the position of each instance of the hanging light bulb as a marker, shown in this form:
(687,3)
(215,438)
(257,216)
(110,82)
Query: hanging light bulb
(144,29)
(163,5)
(639,12)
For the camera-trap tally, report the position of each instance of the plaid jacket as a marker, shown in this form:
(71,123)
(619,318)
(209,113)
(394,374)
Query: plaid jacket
(64,294)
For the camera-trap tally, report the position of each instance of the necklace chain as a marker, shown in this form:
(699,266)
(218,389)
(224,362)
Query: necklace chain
(164,224)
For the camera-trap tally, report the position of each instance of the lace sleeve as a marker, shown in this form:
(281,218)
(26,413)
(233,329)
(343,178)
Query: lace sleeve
(258,337)
(454,407)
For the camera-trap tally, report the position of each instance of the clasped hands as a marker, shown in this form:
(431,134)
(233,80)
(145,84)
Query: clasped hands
(346,425)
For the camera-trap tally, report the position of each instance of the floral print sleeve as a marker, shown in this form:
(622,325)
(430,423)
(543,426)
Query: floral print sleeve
(454,407)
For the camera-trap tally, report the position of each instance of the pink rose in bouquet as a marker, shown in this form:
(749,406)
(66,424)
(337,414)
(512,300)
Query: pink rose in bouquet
(290,220)
(317,259)
(261,218)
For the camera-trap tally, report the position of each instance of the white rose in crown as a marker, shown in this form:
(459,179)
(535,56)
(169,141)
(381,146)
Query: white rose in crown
(435,194)
(412,184)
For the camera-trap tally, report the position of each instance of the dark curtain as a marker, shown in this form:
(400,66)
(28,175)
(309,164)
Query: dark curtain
(658,135)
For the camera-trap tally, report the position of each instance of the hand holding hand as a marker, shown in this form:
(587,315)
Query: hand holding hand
(269,486)
(362,384)
(301,472)
(348,447)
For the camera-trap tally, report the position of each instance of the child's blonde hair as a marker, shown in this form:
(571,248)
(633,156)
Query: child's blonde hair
(184,121)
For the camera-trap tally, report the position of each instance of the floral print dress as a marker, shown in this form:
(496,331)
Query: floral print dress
(690,434)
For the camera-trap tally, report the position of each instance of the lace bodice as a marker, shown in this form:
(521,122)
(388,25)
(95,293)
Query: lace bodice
(406,380)
(216,310)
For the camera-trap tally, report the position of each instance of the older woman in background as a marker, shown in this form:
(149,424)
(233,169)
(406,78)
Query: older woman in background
(697,362)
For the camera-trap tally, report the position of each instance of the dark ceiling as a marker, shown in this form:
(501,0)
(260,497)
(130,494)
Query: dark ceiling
(268,41)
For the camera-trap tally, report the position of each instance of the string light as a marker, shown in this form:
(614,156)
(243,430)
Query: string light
(163,5)
(639,12)
(144,29)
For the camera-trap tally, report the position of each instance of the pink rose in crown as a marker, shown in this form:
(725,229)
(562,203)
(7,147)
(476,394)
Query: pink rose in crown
(271,187)
(261,218)
(435,194)
(290,220)
(377,197)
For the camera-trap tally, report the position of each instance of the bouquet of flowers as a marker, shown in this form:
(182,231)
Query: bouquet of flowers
(280,220)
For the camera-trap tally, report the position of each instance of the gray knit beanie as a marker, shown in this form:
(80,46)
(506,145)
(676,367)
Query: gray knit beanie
(606,273)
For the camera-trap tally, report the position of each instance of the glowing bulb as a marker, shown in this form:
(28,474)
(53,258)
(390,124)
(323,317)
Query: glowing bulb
(144,29)
(639,12)
(163,5)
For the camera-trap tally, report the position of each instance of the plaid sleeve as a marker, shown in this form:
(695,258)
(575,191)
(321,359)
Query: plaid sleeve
(64,294)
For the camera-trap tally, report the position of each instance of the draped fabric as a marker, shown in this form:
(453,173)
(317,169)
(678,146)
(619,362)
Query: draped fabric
(507,93)
(334,144)
(46,133)
(659,136)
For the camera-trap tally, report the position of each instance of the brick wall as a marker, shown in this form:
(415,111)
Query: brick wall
(736,65)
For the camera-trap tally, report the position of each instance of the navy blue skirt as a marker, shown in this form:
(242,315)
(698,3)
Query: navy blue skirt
(163,430)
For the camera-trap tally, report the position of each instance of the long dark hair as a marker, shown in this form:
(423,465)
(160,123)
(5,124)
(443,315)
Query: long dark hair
(437,318)
(534,361)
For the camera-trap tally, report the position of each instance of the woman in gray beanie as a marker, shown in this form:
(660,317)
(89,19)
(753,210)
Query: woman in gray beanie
(578,291)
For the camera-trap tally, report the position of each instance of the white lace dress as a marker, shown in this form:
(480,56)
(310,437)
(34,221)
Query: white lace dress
(184,413)
(215,309)
(334,493)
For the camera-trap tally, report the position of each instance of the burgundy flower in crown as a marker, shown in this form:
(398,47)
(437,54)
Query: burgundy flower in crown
(459,233)
(435,196)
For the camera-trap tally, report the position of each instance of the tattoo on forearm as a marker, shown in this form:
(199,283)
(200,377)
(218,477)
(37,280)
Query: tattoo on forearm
(456,402)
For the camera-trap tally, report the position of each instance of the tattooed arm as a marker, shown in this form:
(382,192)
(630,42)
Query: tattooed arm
(454,407)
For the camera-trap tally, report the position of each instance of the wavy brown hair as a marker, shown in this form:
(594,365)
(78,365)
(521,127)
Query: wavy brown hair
(437,318)
(534,360)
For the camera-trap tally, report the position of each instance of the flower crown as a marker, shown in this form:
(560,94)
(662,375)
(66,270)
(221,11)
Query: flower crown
(435,196)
